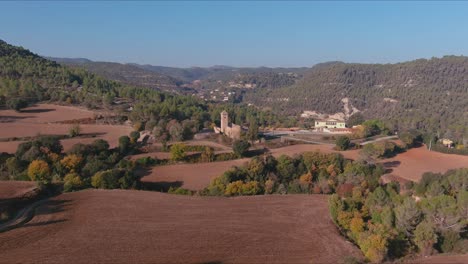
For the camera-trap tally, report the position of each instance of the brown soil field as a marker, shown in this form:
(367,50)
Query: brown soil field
(119,226)
(15,189)
(413,163)
(44,113)
(190,176)
(439,259)
(38,120)
(198,176)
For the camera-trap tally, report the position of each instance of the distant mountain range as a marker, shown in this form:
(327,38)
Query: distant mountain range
(167,78)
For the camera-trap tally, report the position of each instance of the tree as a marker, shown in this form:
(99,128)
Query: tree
(355,119)
(39,170)
(441,212)
(134,136)
(178,152)
(407,216)
(175,130)
(252,133)
(425,238)
(71,162)
(207,155)
(240,147)
(343,143)
(17,104)
(124,144)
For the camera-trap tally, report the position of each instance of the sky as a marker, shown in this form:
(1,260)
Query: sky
(238,33)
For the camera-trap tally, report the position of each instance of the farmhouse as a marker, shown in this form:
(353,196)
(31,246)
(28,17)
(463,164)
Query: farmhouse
(233,131)
(330,123)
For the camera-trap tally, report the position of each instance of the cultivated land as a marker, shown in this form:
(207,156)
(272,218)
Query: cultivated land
(198,176)
(409,165)
(413,163)
(121,226)
(441,259)
(15,189)
(42,118)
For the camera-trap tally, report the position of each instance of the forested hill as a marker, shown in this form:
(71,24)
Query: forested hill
(425,94)
(221,73)
(26,78)
(126,73)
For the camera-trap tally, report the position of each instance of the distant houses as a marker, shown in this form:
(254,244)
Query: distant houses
(330,123)
(333,126)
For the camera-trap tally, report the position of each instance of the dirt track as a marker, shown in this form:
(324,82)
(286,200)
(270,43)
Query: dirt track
(97,226)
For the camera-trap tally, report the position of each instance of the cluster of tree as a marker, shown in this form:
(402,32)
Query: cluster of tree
(379,150)
(387,224)
(95,164)
(311,172)
(430,95)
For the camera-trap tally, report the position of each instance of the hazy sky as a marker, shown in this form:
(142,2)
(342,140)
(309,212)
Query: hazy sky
(238,33)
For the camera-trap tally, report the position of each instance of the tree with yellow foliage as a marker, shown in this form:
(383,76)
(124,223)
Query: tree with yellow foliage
(71,162)
(39,170)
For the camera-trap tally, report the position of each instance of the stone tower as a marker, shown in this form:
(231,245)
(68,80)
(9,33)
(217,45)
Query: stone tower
(224,121)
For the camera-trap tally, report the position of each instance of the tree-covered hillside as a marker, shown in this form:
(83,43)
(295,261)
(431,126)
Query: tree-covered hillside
(27,78)
(424,94)
(125,73)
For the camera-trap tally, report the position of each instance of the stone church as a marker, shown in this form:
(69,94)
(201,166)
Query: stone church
(233,131)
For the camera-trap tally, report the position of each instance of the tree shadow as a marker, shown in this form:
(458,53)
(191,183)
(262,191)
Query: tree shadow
(255,152)
(36,111)
(162,186)
(88,135)
(11,119)
(392,164)
(52,207)
(44,223)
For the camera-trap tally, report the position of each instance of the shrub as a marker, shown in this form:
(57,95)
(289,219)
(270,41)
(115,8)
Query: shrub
(108,179)
(343,143)
(240,147)
(16,104)
(180,191)
(74,130)
(178,152)
(124,144)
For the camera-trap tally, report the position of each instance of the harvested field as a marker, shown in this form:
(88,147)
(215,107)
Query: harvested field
(439,259)
(98,226)
(39,120)
(412,164)
(190,176)
(198,176)
(44,113)
(15,189)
